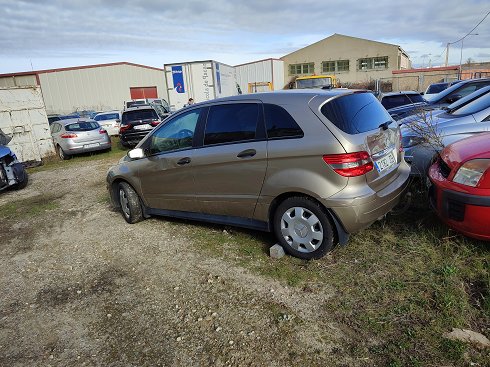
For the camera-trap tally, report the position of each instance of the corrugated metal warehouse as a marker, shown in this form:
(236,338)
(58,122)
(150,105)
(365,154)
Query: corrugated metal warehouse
(260,76)
(93,87)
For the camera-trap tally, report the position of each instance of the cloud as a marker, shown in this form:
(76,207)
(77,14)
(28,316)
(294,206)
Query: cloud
(235,30)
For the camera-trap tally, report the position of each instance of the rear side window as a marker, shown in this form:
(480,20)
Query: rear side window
(280,124)
(231,122)
(356,113)
(139,115)
(82,126)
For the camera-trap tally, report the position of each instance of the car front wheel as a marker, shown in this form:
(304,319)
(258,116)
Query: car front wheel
(303,228)
(130,203)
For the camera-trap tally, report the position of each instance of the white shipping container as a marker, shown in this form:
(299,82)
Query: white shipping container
(199,80)
(23,116)
(260,76)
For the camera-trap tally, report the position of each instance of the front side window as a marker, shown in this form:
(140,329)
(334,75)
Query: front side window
(175,134)
(231,123)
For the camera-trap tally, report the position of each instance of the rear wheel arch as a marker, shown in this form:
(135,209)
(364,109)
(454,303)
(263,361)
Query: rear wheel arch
(340,235)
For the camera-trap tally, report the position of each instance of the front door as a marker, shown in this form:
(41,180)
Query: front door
(166,174)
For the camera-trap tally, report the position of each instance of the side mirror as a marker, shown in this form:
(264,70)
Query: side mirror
(136,153)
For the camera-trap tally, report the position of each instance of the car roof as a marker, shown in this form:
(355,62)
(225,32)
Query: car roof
(136,108)
(281,95)
(389,94)
(108,112)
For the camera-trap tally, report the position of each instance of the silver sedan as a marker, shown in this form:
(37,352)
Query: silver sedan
(76,136)
(425,137)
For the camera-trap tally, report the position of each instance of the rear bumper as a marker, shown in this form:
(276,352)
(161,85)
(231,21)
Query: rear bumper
(77,149)
(356,213)
(133,138)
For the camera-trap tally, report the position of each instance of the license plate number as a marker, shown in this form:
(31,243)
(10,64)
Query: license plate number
(385,162)
(91,145)
(142,127)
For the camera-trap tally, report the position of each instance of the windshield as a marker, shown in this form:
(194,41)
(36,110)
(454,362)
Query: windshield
(82,126)
(473,106)
(313,83)
(139,115)
(467,99)
(356,113)
(444,93)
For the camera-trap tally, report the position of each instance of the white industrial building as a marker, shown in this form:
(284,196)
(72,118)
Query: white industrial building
(93,87)
(260,76)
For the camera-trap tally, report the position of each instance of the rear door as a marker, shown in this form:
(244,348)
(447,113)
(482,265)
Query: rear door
(360,123)
(230,165)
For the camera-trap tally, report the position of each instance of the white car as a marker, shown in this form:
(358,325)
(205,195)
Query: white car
(110,121)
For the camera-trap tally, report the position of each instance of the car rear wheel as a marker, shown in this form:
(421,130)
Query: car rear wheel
(303,228)
(130,203)
(62,155)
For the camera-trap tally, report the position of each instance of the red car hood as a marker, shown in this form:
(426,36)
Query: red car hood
(477,146)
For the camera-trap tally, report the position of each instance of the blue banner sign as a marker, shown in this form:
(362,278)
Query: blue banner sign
(178,78)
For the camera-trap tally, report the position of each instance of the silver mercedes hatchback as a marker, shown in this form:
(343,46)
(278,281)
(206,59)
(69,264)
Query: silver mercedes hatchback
(312,166)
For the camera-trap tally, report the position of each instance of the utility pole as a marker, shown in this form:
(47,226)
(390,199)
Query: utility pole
(447,54)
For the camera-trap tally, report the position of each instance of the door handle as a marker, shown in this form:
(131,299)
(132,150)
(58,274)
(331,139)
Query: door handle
(247,153)
(183,161)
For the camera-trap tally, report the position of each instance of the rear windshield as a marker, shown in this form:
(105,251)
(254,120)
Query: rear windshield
(436,88)
(401,100)
(139,115)
(108,116)
(82,126)
(356,113)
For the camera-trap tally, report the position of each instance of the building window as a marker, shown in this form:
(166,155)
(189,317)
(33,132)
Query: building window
(328,67)
(343,65)
(297,69)
(373,63)
(335,66)
(381,62)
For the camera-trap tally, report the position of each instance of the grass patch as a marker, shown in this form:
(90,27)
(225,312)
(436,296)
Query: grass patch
(53,162)
(29,207)
(400,284)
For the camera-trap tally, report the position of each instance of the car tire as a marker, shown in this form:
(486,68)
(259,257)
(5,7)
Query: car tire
(303,228)
(61,153)
(130,204)
(24,180)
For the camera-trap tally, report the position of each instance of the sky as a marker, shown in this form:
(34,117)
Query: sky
(53,33)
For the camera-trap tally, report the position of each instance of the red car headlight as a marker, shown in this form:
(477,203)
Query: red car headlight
(471,173)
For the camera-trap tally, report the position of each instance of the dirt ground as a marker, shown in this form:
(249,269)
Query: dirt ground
(80,287)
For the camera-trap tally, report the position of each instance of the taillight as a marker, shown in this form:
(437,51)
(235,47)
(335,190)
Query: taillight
(155,123)
(102,131)
(350,164)
(124,128)
(68,135)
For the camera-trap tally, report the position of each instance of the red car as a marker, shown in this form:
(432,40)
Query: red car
(460,191)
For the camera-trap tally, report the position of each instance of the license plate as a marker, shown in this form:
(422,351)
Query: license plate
(142,127)
(91,145)
(386,162)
